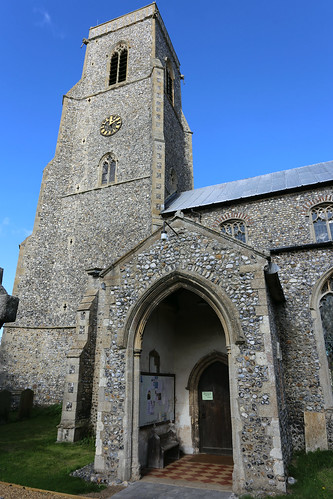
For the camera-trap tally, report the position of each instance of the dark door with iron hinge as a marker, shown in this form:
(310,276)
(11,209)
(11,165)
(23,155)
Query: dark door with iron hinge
(214,410)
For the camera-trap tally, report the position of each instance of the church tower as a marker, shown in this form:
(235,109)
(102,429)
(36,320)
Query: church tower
(124,146)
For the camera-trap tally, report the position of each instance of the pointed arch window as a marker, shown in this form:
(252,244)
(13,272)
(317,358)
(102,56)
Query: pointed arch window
(108,167)
(326,314)
(118,65)
(235,228)
(322,222)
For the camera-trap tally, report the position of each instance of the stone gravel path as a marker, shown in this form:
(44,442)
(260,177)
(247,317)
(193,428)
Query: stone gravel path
(145,490)
(11,491)
(137,490)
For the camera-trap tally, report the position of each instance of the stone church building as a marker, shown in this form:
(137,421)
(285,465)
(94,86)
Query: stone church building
(143,300)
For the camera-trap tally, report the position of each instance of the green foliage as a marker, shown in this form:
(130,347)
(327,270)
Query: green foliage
(30,456)
(314,475)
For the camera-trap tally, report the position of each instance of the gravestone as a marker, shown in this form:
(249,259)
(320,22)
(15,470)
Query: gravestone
(26,401)
(5,401)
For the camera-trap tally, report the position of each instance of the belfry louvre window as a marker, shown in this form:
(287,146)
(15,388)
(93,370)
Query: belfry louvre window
(108,170)
(169,81)
(235,228)
(322,221)
(118,66)
(169,84)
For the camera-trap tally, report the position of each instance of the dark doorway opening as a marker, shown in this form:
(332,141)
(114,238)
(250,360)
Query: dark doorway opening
(214,410)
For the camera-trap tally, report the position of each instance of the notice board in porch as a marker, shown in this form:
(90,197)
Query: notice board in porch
(157,398)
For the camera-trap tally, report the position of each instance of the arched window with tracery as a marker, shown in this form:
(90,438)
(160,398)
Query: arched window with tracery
(326,314)
(322,222)
(118,65)
(235,228)
(108,167)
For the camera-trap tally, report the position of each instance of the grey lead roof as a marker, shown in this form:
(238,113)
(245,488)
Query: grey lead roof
(255,186)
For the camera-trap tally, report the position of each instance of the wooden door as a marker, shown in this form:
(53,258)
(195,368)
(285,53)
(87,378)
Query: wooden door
(214,410)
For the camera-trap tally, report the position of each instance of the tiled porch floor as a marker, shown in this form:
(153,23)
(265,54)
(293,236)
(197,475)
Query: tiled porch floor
(199,473)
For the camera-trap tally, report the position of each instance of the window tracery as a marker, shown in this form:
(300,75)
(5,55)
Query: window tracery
(118,65)
(108,168)
(322,222)
(235,229)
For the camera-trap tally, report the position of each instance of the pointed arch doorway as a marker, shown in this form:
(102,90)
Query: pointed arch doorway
(180,329)
(210,296)
(215,433)
(210,404)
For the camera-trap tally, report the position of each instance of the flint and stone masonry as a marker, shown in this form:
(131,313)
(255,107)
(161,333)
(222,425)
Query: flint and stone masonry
(120,279)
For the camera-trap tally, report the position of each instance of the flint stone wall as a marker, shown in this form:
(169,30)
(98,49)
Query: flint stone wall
(29,357)
(301,357)
(280,220)
(237,271)
(178,150)
(277,363)
(283,221)
(79,224)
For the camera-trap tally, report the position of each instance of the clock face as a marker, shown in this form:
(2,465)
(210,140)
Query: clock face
(110,125)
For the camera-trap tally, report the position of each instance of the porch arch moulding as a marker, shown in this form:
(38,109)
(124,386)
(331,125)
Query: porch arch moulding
(132,341)
(221,304)
(324,373)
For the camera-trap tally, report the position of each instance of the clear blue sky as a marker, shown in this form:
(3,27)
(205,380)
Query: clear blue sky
(257,92)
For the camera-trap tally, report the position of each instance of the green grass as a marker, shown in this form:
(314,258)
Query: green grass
(314,475)
(30,456)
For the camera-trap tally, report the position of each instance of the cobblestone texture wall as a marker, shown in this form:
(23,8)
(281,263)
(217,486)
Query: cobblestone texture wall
(31,359)
(235,270)
(274,314)
(79,224)
(298,341)
(276,221)
(283,221)
(178,147)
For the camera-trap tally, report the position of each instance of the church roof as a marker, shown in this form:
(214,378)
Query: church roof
(262,185)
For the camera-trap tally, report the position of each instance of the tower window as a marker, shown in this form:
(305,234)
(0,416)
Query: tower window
(122,66)
(118,66)
(235,228)
(169,84)
(322,222)
(173,181)
(108,169)
(169,78)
